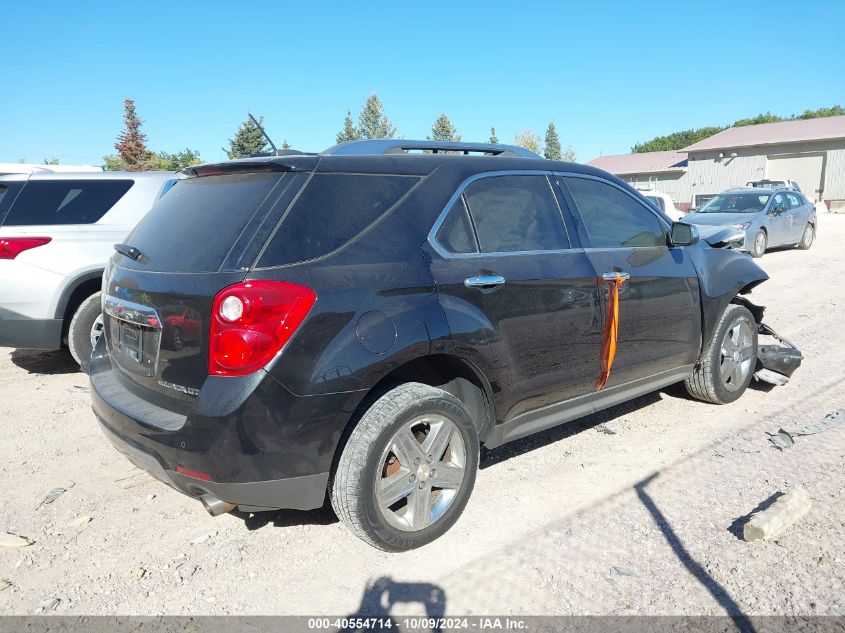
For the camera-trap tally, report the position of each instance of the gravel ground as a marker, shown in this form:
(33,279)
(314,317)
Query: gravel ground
(635,510)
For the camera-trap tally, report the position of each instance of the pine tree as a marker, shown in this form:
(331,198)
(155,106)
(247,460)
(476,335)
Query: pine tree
(493,138)
(131,142)
(372,122)
(552,151)
(349,132)
(443,130)
(528,139)
(248,139)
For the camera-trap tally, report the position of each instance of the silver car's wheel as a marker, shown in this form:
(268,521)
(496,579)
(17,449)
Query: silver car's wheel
(737,357)
(807,238)
(423,467)
(761,240)
(97,331)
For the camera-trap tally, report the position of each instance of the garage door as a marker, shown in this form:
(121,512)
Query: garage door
(805,169)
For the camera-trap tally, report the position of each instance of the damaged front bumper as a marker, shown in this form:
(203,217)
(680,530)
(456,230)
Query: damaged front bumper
(776,362)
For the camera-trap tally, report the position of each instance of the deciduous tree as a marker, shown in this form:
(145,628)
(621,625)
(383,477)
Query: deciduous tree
(528,139)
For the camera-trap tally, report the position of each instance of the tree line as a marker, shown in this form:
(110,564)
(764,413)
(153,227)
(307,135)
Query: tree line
(685,138)
(372,123)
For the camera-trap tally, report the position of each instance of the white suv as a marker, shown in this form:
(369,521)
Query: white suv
(57,231)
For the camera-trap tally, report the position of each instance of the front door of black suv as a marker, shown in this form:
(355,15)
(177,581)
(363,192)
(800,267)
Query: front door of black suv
(521,302)
(659,316)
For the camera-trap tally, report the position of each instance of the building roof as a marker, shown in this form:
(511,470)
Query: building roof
(819,129)
(647,162)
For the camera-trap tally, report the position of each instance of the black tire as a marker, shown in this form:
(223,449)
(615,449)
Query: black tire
(808,237)
(361,465)
(706,382)
(80,329)
(760,244)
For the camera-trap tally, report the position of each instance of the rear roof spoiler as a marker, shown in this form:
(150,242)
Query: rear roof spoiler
(238,166)
(402,146)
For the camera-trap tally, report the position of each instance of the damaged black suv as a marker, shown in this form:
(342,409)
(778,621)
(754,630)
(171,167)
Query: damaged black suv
(358,323)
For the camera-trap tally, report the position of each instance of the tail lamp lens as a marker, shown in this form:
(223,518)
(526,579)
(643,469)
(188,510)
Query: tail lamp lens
(251,322)
(11,247)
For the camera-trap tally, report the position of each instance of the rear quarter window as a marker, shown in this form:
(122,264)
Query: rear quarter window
(331,211)
(51,202)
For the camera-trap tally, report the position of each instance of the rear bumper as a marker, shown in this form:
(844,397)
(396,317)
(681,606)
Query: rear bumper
(299,493)
(17,330)
(259,446)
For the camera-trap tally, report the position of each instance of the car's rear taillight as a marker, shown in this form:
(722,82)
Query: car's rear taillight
(11,247)
(251,321)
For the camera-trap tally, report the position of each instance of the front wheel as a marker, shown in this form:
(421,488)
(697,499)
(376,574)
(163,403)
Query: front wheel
(761,242)
(85,329)
(726,367)
(807,238)
(408,469)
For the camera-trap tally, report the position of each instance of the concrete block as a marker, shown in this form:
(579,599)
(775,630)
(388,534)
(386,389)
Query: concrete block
(772,521)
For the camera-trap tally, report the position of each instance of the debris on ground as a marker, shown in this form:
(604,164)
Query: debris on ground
(624,571)
(54,494)
(774,520)
(139,574)
(80,521)
(5,584)
(49,604)
(785,438)
(13,540)
(203,538)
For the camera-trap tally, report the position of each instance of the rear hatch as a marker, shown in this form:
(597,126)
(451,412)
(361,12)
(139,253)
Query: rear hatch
(204,235)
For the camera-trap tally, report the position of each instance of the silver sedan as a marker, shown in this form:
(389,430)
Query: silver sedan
(767,217)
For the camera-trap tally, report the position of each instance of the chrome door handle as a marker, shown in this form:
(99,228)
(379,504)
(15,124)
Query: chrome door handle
(484,281)
(617,275)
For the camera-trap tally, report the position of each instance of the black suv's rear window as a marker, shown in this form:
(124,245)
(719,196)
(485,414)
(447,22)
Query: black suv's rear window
(195,226)
(330,212)
(45,202)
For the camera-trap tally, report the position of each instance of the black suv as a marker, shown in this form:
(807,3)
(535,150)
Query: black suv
(365,319)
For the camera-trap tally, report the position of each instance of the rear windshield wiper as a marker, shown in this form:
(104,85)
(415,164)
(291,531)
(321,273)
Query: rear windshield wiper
(129,251)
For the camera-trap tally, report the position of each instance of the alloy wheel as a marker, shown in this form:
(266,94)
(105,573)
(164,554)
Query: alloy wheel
(736,358)
(420,472)
(97,330)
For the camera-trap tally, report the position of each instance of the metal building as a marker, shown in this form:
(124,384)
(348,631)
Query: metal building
(808,151)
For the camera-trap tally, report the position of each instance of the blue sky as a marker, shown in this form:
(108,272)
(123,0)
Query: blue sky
(608,74)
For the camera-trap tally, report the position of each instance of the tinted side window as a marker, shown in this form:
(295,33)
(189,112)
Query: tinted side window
(515,213)
(778,202)
(65,201)
(332,210)
(455,234)
(613,218)
(658,201)
(794,202)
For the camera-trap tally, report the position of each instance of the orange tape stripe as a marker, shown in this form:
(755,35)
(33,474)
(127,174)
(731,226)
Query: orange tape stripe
(611,330)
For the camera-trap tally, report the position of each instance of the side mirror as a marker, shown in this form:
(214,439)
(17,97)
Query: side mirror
(778,210)
(683,234)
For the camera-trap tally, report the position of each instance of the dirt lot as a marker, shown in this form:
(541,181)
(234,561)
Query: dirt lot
(631,511)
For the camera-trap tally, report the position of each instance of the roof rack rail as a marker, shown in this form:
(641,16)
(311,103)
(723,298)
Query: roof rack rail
(402,146)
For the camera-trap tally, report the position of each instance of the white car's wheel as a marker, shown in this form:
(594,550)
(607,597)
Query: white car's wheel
(86,327)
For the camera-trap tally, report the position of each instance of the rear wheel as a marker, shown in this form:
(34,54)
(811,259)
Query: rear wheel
(761,242)
(86,327)
(725,370)
(408,469)
(808,237)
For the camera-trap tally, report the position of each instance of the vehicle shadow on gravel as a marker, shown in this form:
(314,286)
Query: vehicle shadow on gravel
(564,431)
(45,362)
(287,518)
(381,594)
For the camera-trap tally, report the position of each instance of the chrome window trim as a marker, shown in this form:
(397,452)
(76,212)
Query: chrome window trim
(445,254)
